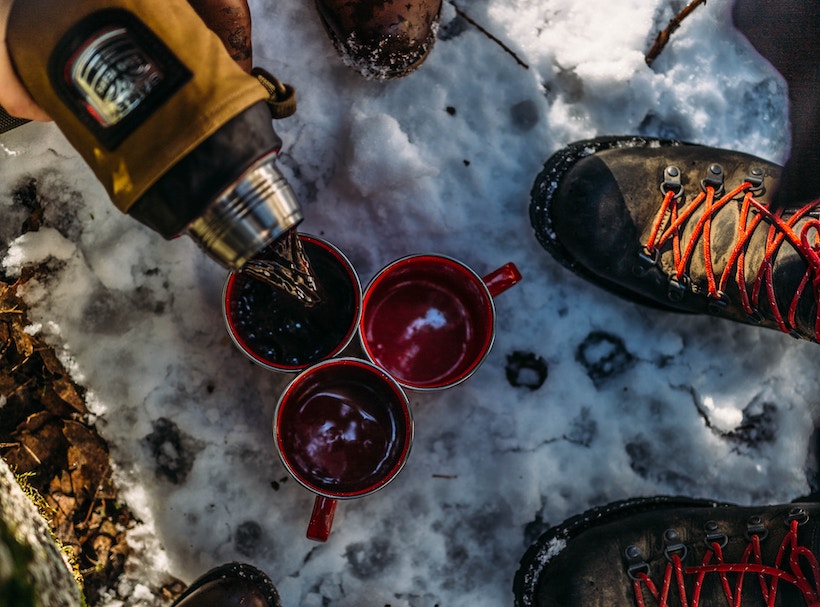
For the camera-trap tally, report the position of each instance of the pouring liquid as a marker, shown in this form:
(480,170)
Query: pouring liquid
(292,312)
(286,267)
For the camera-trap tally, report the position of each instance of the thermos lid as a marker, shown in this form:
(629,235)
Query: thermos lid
(255,210)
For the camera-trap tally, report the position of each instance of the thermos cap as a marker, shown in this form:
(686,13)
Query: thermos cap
(255,210)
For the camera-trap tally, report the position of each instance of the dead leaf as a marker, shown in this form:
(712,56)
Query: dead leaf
(22,341)
(68,393)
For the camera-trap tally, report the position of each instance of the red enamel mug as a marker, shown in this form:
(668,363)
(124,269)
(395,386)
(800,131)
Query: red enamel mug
(343,429)
(429,320)
(276,330)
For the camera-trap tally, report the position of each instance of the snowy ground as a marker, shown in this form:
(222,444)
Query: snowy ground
(442,160)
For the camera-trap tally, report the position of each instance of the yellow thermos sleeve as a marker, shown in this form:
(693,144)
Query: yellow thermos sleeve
(134,86)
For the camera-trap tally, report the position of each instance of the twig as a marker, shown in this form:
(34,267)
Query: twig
(481,29)
(663,37)
(32,454)
(96,493)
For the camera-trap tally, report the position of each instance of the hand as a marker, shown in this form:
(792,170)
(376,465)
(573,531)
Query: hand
(13,95)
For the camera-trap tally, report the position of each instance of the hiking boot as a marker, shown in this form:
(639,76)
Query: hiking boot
(231,585)
(676,552)
(381,39)
(682,227)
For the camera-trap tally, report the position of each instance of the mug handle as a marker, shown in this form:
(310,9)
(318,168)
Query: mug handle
(321,519)
(502,279)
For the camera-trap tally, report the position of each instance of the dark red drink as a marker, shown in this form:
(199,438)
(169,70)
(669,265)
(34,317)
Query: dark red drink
(427,320)
(278,330)
(344,430)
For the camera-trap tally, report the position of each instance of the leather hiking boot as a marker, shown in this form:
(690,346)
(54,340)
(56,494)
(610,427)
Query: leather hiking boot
(676,552)
(682,227)
(231,585)
(381,39)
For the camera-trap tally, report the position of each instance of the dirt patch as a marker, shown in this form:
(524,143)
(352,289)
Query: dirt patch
(47,437)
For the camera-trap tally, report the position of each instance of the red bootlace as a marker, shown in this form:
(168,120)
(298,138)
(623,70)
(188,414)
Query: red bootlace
(751,213)
(787,568)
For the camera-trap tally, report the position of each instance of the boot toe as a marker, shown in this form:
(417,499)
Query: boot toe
(590,219)
(381,40)
(582,218)
(230,585)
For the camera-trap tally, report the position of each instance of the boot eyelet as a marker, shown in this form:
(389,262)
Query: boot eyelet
(674,545)
(714,535)
(756,527)
(714,179)
(798,514)
(671,182)
(717,305)
(633,570)
(677,287)
(635,563)
(646,261)
(755,181)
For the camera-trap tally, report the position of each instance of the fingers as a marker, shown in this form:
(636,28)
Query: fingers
(13,95)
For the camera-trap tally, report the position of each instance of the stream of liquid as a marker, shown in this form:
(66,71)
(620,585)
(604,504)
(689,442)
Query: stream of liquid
(286,267)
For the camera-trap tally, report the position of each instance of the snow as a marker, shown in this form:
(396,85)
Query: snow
(440,161)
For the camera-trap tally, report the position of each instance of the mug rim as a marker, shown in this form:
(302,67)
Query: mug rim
(405,407)
(474,366)
(245,349)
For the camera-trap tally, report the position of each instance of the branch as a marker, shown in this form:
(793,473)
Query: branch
(472,22)
(663,37)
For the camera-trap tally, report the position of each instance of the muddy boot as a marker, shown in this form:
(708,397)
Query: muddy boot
(682,227)
(381,39)
(676,552)
(231,585)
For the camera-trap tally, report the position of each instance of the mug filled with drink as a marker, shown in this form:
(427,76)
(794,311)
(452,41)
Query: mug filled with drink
(343,429)
(295,304)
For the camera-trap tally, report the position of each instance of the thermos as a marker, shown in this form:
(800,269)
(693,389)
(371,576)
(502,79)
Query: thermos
(180,136)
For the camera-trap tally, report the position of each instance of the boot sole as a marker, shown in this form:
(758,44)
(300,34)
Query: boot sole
(544,188)
(551,542)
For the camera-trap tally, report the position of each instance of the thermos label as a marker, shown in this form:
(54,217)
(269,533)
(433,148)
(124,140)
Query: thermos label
(113,75)
(113,71)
